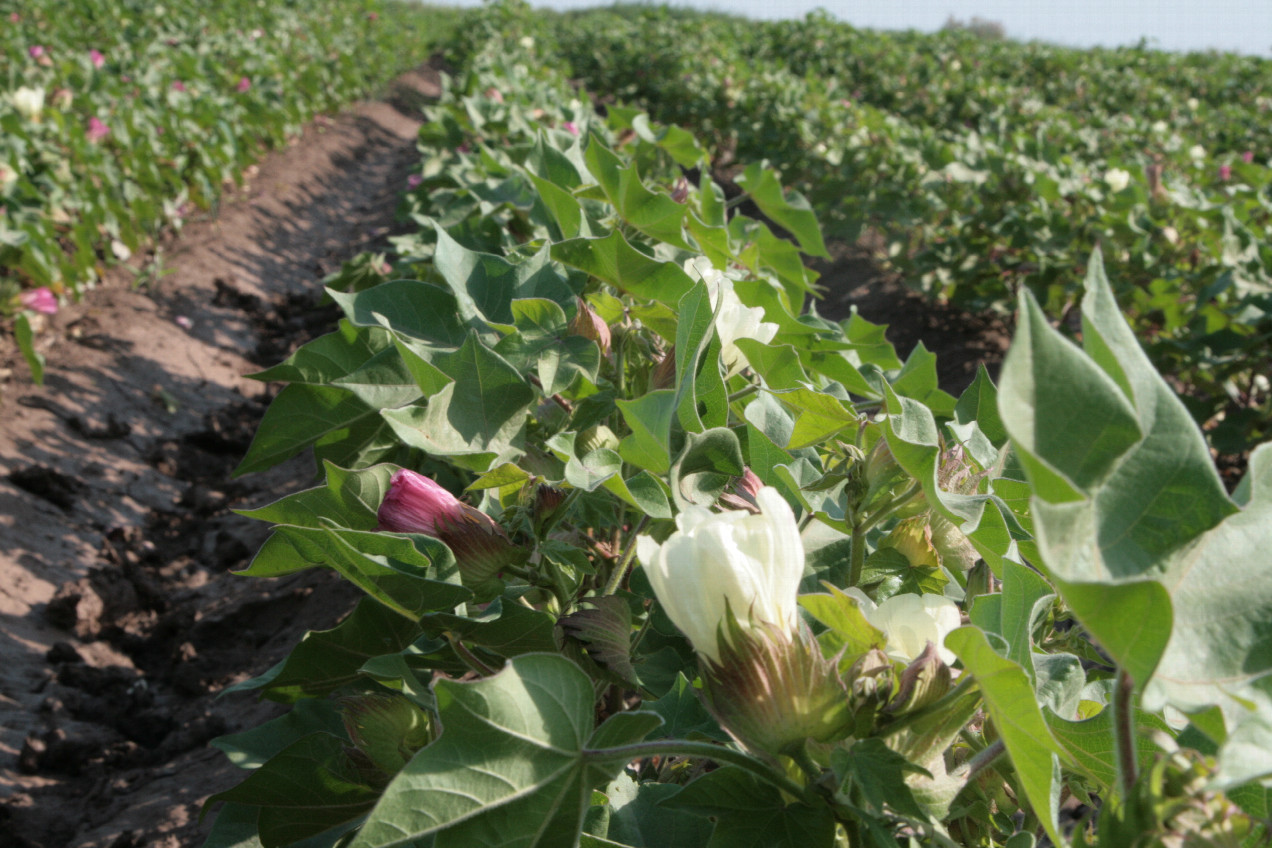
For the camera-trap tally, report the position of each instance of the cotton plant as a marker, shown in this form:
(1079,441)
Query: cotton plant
(734,320)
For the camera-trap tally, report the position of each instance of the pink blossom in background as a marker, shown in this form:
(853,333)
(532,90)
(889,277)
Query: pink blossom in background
(96,57)
(96,129)
(373,16)
(243,84)
(570,128)
(463,147)
(414,180)
(183,322)
(178,85)
(36,51)
(1247,157)
(1225,172)
(41,300)
(14,17)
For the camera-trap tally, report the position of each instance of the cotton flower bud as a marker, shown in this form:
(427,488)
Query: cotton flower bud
(925,680)
(62,99)
(543,501)
(742,494)
(873,679)
(589,325)
(980,581)
(416,504)
(386,731)
(680,191)
(595,438)
(39,300)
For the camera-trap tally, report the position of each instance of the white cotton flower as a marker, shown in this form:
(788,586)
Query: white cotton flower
(911,621)
(1170,234)
(749,564)
(1160,127)
(28,102)
(1117,179)
(1197,153)
(1193,103)
(527,42)
(734,319)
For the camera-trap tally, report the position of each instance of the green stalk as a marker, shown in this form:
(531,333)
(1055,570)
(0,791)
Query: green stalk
(1124,731)
(616,577)
(707,750)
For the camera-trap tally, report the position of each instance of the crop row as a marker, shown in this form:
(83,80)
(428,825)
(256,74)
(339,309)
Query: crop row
(120,119)
(991,166)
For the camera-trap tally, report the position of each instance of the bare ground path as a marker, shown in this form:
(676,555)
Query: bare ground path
(118,618)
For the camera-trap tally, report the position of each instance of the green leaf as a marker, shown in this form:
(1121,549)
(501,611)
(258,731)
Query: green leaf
(679,143)
(650,418)
(515,757)
(329,357)
(683,715)
(507,629)
(26,343)
(874,776)
(750,813)
(700,391)
(615,261)
(485,285)
(1010,702)
(710,461)
(778,365)
(347,498)
(302,791)
(419,310)
(819,416)
(847,628)
(410,574)
(653,213)
(1091,747)
(789,209)
(252,748)
(326,660)
(297,418)
(640,820)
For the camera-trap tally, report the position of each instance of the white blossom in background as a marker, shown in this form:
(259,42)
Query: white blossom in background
(28,102)
(734,320)
(910,621)
(1117,179)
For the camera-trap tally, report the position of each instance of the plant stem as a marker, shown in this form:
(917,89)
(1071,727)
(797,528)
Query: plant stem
(950,697)
(745,392)
(708,750)
(470,659)
(616,578)
(1124,731)
(857,555)
(891,505)
(984,759)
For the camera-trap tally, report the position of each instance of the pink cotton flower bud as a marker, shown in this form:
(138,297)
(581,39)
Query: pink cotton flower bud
(569,127)
(742,494)
(97,131)
(36,51)
(680,191)
(244,84)
(14,18)
(96,57)
(178,85)
(40,300)
(1225,173)
(1247,157)
(414,180)
(373,16)
(416,504)
(494,94)
(589,325)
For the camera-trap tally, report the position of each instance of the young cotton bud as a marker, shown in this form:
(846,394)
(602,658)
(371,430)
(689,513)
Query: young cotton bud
(416,504)
(742,494)
(589,325)
(386,731)
(664,373)
(924,681)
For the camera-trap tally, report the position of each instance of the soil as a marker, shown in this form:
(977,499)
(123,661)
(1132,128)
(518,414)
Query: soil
(119,618)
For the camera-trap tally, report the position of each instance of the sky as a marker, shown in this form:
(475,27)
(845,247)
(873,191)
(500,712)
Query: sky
(1240,26)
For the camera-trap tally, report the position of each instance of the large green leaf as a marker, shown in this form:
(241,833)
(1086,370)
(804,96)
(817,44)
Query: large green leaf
(789,209)
(347,499)
(299,416)
(1136,530)
(653,213)
(1010,702)
(615,261)
(750,813)
(485,285)
(419,310)
(515,765)
(302,791)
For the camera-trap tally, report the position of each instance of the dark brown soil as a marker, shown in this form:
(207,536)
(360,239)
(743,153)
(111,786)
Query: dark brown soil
(119,619)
